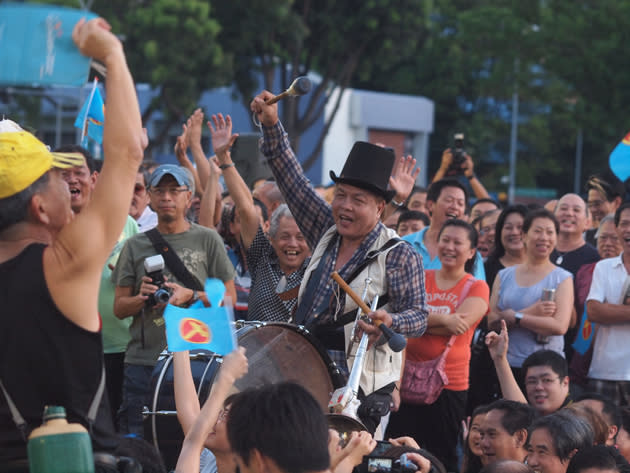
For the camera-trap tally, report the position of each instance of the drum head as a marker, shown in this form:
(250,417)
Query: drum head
(283,352)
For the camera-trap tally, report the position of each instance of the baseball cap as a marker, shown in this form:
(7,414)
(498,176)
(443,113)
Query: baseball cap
(24,159)
(179,173)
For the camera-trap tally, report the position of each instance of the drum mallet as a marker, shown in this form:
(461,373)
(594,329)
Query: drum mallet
(395,340)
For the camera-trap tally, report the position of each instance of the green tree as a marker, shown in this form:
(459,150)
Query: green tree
(171,45)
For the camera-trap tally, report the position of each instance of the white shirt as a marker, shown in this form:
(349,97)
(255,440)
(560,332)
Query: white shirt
(611,352)
(147,220)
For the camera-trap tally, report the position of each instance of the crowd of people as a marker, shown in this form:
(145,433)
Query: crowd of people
(527,307)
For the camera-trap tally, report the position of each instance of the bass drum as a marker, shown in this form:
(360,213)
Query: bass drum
(275,352)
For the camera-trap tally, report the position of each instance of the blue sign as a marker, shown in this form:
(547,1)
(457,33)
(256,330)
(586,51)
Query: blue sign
(36,47)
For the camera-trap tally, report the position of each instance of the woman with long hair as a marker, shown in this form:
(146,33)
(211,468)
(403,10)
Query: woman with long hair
(534,298)
(456,302)
(508,242)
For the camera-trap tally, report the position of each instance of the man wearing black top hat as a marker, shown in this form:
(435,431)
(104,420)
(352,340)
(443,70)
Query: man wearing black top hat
(342,237)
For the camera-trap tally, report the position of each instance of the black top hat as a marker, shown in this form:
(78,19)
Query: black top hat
(368,167)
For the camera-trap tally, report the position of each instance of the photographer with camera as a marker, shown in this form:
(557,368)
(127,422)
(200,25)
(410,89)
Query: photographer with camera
(174,258)
(456,162)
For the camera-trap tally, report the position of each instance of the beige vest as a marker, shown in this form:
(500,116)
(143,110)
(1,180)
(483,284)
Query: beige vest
(381,366)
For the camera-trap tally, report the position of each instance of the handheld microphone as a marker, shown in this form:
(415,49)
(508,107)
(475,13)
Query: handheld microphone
(300,86)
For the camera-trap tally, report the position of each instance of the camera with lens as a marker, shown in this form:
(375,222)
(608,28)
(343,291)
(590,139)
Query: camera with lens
(459,154)
(154,268)
(378,461)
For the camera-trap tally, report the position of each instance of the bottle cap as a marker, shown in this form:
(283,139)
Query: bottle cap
(54,412)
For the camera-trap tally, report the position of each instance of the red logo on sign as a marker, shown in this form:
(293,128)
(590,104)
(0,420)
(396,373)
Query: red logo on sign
(194,331)
(587,330)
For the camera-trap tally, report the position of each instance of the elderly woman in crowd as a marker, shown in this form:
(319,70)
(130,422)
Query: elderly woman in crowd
(276,264)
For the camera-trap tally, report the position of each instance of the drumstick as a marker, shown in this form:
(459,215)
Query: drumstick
(395,340)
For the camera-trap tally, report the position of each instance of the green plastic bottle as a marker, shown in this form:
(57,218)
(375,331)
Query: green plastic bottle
(59,447)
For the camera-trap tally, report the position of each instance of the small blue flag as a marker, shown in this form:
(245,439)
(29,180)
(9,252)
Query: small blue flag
(619,159)
(584,337)
(91,118)
(200,327)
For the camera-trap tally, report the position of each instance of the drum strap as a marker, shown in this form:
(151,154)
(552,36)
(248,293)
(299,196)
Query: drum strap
(24,428)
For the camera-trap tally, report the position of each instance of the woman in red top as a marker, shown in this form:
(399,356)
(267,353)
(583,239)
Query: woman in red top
(435,427)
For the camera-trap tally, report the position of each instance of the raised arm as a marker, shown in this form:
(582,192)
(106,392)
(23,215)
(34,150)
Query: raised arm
(222,140)
(195,124)
(234,366)
(497,344)
(186,400)
(210,208)
(401,181)
(73,263)
(181,148)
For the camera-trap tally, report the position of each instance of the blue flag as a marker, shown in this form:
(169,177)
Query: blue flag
(36,47)
(619,159)
(584,337)
(200,327)
(91,117)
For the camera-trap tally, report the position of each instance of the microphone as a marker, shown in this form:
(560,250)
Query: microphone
(300,86)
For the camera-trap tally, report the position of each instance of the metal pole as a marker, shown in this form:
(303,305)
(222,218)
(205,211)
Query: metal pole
(58,123)
(578,161)
(513,143)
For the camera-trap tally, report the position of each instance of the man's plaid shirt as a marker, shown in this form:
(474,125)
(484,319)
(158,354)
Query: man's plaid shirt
(405,275)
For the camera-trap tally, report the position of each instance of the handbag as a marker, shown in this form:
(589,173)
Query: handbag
(423,381)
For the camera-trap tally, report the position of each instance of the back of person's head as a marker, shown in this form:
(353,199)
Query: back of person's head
(89,159)
(282,422)
(567,431)
(598,423)
(610,410)
(435,189)
(598,457)
(554,360)
(516,415)
(507,466)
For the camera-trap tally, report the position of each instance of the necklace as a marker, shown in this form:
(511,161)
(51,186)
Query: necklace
(560,257)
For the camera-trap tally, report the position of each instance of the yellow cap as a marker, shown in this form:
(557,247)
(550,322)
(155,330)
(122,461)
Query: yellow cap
(24,159)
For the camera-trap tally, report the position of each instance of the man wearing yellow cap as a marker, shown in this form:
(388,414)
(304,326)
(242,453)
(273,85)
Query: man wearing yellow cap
(50,262)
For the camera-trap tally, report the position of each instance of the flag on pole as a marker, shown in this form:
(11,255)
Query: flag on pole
(585,333)
(199,327)
(619,159)
(91,118)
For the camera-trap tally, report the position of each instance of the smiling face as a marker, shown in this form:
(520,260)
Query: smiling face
(598,206)
(487,233)
(512,233)
(454,247)
(451,203)
(217,439)
(540,239)
(81,183)
(496,442)
(55,201)
(623,229)
(290,245)
(356,211)
(541,453)
(546,391)
(474,435)
(140,198)
(571,215)
(608,242)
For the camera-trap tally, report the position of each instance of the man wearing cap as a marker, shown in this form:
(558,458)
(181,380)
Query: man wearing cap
(343,235)
(202,253)
(51,350)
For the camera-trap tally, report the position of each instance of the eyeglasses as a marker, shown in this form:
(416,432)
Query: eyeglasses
(545,380)
(160,191)
(486,230)
(223,414)
(594,203)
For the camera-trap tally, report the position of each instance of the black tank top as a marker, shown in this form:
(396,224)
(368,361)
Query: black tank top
(45,359)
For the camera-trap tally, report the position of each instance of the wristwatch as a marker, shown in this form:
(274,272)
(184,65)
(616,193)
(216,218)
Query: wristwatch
(194,298)
(517,318)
